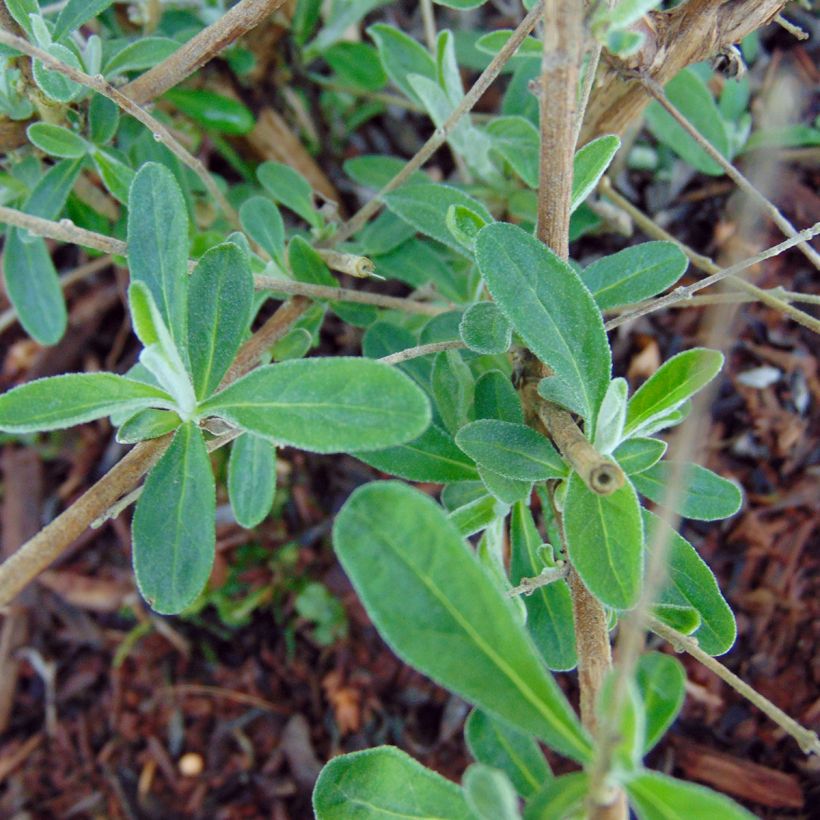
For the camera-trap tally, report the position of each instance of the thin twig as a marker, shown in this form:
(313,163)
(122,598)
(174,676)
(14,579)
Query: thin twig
(792,28)
(548,575)
(64,231)
(200,49)
(99,84)
(683,293)
(439,137)
(422,350)
(773,298)
(656,91)
(429,21)
(806,739)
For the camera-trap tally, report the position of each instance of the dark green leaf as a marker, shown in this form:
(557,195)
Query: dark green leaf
(550,309)
(605,541)
(385,783)
(512,450)
(289,188)
(495,398)
(307,266)
(328,405)
(391,537)
(356,64)
(495,743)
(212,110)
(173,527)
(103,119)
(220,296)
(549,608)
(116,176)
(251,479)
(263,223)
(147,424)
(77,12)
(453,387)
(140,55)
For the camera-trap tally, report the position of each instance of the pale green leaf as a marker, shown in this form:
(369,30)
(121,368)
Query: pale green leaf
(662,683)
(140,55)
(289,188)
(589,166)
(56,140)
(77,12)
(147,424)
(263,223)
(402,56)
(327,405)
(489,793)
(638,454)
(563,797)
(391,537)
(251,479)
(485,329)
(477,515)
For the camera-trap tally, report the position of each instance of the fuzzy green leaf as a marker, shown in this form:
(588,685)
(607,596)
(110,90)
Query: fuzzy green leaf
(550,309)
(382,783)
(147,424)
(173,527)
(56,140)
(391,537)
(263,223)
(562,797)
(402,56)
(485,329)
(77,12)
(63,401)
(605,541)
(289,188)
(589,166)
(328,405)
(496,398)
(489,793)
(251,479)
(512,450)
(638,454)
(213,111)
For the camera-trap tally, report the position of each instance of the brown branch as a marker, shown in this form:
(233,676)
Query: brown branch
(200,49)
(691,32)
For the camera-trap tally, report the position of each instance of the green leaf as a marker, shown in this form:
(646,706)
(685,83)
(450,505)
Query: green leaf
(103,119)
(251,479)
(461,5)
(306,265)
(116,176)
(140,55)
(77,12)
(662,683)
(495,743)
(21,11)
(63,401)
(263,223)
(54,84)
(625,12)
(656,796)
(433,456)
(356,64)
(638,454)
(402,56)
(383,783)
(550,309)
(516,140)
(685,619)
(158,244)
(425,207)
(389,536)
(417,263)
(512,450)
(331,405)
(485,329)
(670,386)
(690,95)
(605,541)
(477,515)
(342,16)
(173,527)
(496,398)
(376,170)
(549,608)
(635,273)
(492,42)
(147,424)
(56,140)
(463,225)
(213,111)
(630,723)
(589,166)
(505,489)
(489,793)
(701,494)
(220,297)
(691,583)
(453,387)
(289,188)
(611,417)
(562,797)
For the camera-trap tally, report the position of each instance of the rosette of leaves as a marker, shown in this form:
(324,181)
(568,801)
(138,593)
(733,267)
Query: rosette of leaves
(191,326)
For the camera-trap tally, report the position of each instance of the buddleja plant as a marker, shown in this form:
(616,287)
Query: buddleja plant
(191,327)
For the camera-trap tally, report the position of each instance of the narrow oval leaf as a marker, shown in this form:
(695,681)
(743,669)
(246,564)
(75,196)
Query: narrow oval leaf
(251,479)
(485,329)
(147,424)
(402,56)
(433,456)
(495,743)
(690,582)
(425,207)
(700,494)
(511,450)
(675,381)
(331,405)
(477,515)
(263,223)
(496,398)
(638,454)
(490,794)
(605,541)
(655,796)
(549,608)
(634,273)
(288,187)
(589,166)
(158,243)
(116,176)
(140,55)
(220,297)
(391,537)
(563,797)
(212,110)
(56,140)
(453,389)
(385,782)
(516,140)
(662,682)
(77,12)
(173,527)
(63,401)
(508,490)
(550,309)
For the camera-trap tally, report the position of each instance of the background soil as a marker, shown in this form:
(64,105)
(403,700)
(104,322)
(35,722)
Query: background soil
(110,711)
